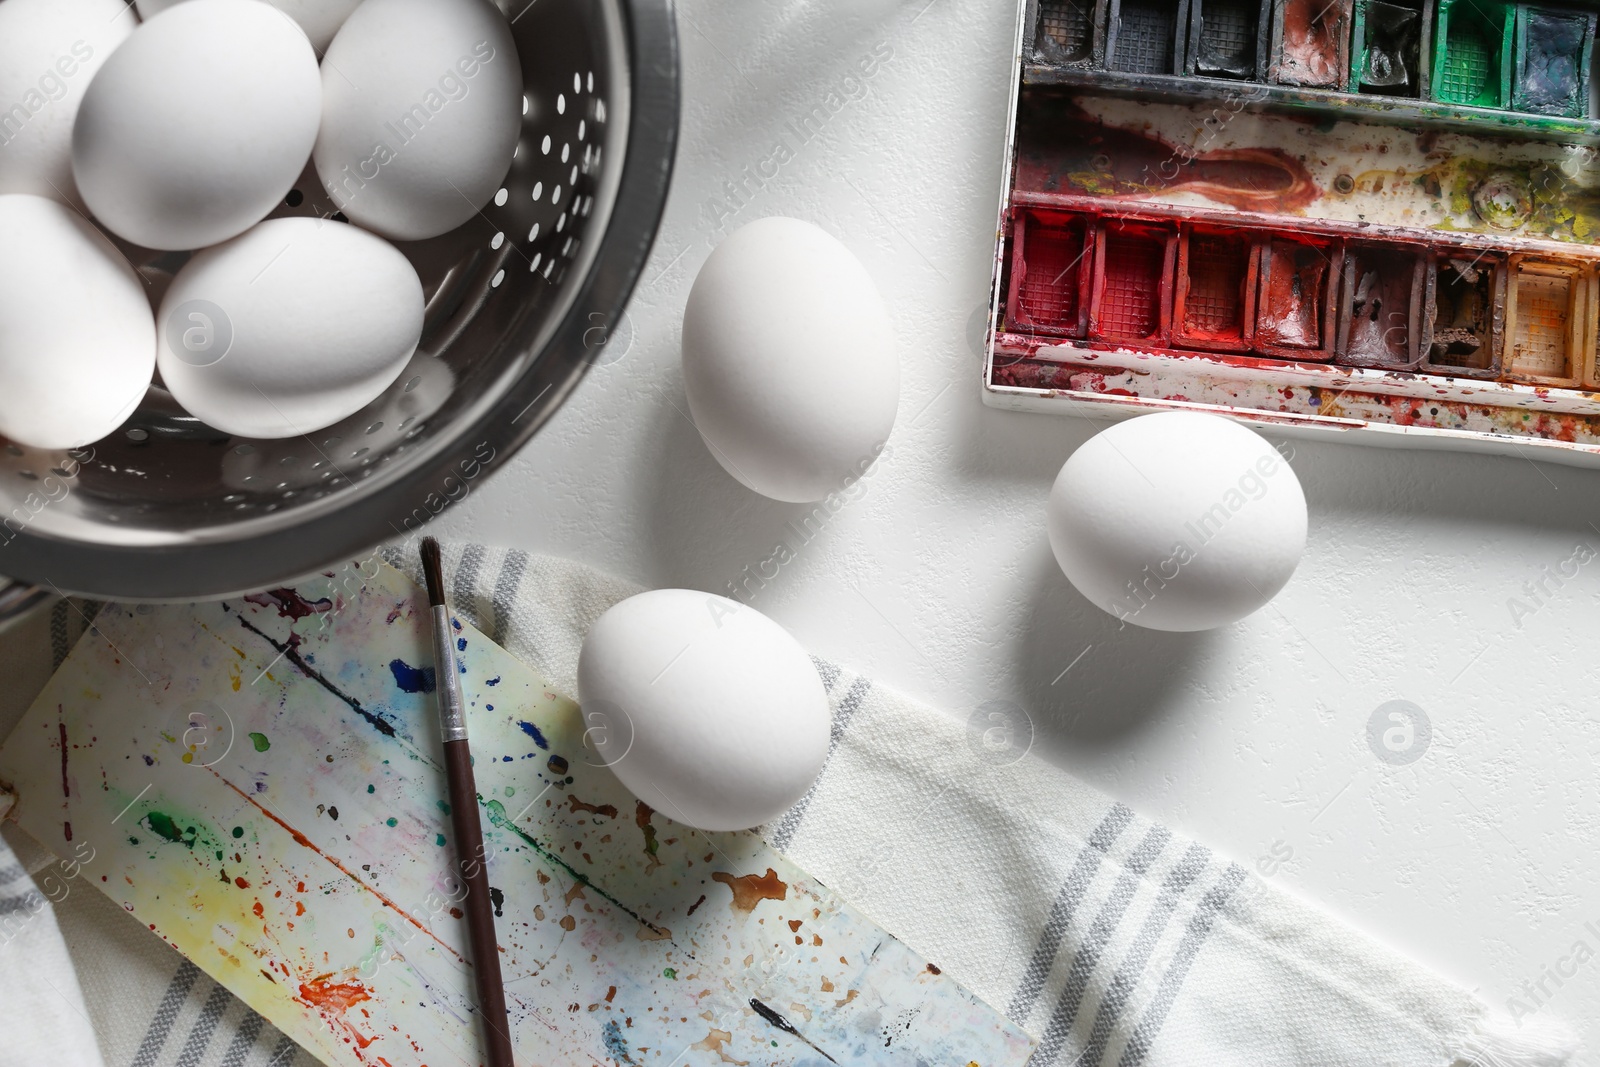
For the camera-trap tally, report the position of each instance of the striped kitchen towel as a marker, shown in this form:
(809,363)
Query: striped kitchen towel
(1113,939)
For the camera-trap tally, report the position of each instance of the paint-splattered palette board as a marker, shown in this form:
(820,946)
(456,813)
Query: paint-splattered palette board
(1410,259)
(259,781)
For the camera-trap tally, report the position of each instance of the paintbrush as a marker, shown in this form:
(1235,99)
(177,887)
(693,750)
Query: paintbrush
(464,818)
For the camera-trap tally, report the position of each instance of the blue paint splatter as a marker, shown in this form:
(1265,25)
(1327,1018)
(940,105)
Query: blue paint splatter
(488,707)
(412,679)
(616,1045)
(493,681)
(461,644)
(533,732)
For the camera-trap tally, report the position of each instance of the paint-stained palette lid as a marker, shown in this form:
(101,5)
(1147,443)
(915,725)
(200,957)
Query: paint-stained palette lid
(1374,222)
(260,781)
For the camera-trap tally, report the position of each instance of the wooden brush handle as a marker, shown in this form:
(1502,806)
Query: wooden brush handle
(471,868)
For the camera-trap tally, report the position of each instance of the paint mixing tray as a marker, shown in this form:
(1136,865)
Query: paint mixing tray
(1335,216)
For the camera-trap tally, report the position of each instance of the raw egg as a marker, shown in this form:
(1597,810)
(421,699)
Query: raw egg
(288,328)
(707,710)
(1177,521)
(77,340)
(197,127)
(422,103)
(789,361)
(49,52)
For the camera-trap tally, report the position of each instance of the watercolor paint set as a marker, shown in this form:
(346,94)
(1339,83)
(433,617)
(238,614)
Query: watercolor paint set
(1447,60)
(1330,216)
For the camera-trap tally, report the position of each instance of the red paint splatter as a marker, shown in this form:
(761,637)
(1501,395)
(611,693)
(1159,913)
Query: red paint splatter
(305,842)
(323,992)
(261,912)
(333,999)
(241,883)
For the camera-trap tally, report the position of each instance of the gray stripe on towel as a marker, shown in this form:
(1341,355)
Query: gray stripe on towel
(1062,909)
(204,1027)
(11,874)
(466,580)
(28,901)
(285,1053)
(1193,938)
(243,1041)
(1096,939)
(842,714)
(1178,880)
(60,644)
(166,1014)
(827,672)
(504,597)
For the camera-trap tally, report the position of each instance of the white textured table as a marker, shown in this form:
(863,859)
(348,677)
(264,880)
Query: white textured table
(1481,858)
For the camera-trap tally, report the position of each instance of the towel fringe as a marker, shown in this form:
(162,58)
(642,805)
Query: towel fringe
(1498,1042)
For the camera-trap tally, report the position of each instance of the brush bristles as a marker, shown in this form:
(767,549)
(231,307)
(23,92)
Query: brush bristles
(433,571)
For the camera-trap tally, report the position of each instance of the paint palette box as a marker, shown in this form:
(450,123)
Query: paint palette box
(1370,219)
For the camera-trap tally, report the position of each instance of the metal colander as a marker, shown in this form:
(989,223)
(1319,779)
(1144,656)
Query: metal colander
(519,302)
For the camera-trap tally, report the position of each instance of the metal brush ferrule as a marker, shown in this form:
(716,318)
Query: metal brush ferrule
(447,678)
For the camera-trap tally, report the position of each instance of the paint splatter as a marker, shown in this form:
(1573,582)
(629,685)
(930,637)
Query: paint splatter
(533,732)
(715,1041)
(164,827)
(608,810)
(616,1045)
(778,1021)
(751,889)
(336,998)
(290,650)
(260,742)
(498,899)
(412,679)
(290,604)
(501,821)
(641,819)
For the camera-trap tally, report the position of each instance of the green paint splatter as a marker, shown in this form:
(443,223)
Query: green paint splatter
(438,839)
(392,821)
(260,741)
(238,831)
(670,973)
(162,825)
(444,807)
(370,788)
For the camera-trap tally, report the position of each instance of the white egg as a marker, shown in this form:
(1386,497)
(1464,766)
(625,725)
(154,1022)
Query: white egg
(198,125)
(789,360)
(1177,521)
(49,52)
(422,102)
(320,19)
(289,328)
(707,710)
(77,341)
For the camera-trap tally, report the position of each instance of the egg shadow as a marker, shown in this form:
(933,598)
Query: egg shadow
(1087,678)
(708,529)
